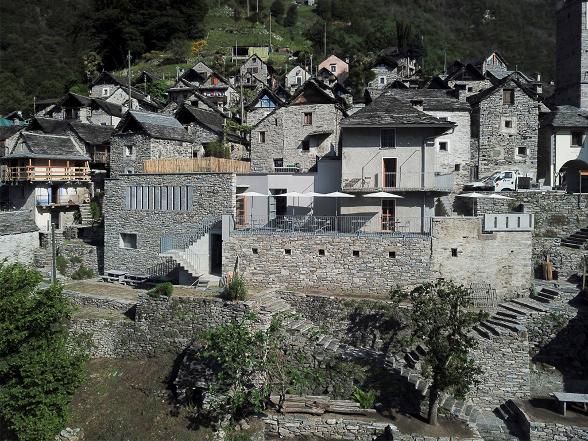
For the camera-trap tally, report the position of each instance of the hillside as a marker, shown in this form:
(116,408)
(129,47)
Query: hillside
(47,47)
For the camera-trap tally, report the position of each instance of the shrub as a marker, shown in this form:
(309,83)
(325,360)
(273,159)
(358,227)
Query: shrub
(217,149)
(235,289)
(165,289)
(95,210)
(82,273)
(366,399)
(61,263)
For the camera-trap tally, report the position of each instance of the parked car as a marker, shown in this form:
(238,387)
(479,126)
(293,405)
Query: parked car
(499,181)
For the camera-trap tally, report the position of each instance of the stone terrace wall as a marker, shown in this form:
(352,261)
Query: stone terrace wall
(19,236)
(373,272)
(557,432)
(160,325)
(556,214)
(567,261)
(501,259)
(213,195)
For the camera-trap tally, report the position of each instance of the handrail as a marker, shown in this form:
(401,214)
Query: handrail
(42,173)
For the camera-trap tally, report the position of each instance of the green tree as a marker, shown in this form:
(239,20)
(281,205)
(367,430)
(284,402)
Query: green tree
(291,16)
(277,9)
(39,372)
(441,320)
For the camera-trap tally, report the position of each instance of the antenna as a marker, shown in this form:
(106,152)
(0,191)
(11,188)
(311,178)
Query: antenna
(129,74)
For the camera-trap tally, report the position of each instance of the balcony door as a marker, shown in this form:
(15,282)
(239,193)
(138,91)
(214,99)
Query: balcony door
(389,172)
(388,215)
(277,206)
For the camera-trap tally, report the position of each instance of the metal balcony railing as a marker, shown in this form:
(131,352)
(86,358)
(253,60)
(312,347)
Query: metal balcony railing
(401,181)
(334,225)
(287,169)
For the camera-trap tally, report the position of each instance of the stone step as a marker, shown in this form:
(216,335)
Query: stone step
(509,315)
(571,245)
(529,305)
(514,309)
(504,319)
(508,326)
(483,332)
(541,298)
(491,328)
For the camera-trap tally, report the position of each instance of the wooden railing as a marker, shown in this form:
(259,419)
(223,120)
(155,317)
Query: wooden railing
(101,157)
(194,165)
(45,173)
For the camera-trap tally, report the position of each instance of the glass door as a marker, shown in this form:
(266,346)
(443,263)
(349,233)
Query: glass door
(388,215)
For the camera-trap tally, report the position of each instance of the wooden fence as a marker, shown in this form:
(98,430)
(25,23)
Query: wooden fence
(194,165)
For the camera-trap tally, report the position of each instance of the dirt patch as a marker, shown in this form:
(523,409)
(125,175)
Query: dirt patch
(115,290)
(546,410)
(129,400)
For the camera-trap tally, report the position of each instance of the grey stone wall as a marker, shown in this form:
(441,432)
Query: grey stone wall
(143,148)
(285,131)
(567,261)
(159,325)
(214,194)
(373,272)
(95,301)
(19,247)
(557,432)
(501,259)
(497,144)
(89,256)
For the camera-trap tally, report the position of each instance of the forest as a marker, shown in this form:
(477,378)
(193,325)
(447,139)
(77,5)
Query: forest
(49,47)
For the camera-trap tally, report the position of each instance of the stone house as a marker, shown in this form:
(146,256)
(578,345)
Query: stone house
(254,70)
(337,67)
(295,137)
(219,91)
(453,148)
(46,174)
(390,68)
(392,145)
(466,78)
(187,83)
(563,148)
(296,78)
(104,85)
(206,126)
(264,103)
(505,128)
(84,109)
(142,135)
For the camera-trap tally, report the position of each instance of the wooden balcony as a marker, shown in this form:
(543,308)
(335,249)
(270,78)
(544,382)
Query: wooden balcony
(35,173)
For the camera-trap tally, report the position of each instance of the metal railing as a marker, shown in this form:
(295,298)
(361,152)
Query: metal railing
(402,181)
(335,225)
(60,199)
(45,173)
(509,222)
(101,157)
(287,169)
(183,241)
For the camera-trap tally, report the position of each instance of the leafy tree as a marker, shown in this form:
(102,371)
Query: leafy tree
(39,371)
(277,9)
(291,16)
(440,319)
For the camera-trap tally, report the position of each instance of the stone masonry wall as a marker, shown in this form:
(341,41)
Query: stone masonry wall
(383,262)
(213,195)
(19,247)
(498,145)
(557,432)
(460,252)
(159,325)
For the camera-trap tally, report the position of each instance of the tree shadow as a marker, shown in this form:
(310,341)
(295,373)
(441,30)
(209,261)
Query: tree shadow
(380,330)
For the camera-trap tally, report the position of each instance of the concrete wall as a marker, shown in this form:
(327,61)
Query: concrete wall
(501,259)
(214,194)
(373,272)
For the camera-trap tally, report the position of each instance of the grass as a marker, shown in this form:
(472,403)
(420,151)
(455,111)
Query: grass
(130,400)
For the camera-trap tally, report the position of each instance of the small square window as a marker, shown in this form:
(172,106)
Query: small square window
(457,167)
(470,89)
(254,250)
(305,145)
(129,170)
(522,151)
(508,97)
(128,240)
(321,252)
(333,68)
(508,123)
(307,119)
(129,150)
(382,80)
(453,252)
(392,254)
(577,139)
(355,253)
(387,138)
(262,137)
(278,162)
(105,91)
(288,252)
(443,146)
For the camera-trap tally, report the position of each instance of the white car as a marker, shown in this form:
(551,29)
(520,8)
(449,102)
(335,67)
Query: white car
(499,181)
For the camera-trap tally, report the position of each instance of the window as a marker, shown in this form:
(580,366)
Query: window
(470,89)
(262,137)
(457,167)
(305,145)
(382,80)
(298,81)
(522,151)
(307,119)
(159,198)
(255,70)
(443,146)
(278,162)
(321,252)
(453,252)
(508,123)
(392,254)
(355,253)
(333,68)
(129,170)
(387,138)
(105,91)
(577,139)
(288,252)
(129,150)
(254,250)
(128,240)
(508,97)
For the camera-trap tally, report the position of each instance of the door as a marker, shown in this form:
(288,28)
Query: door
(277,206)
(389,172)
(388,215)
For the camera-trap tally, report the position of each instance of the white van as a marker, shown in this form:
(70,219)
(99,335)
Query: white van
(499,181)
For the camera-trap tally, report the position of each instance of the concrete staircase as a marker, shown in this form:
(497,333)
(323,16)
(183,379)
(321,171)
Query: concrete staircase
(577,240)
(86,215)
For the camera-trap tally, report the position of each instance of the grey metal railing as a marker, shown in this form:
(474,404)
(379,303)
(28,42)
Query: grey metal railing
(406,181)
(182,241)
(509,222)
(334,225)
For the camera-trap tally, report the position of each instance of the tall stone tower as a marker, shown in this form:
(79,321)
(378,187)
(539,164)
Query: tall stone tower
(572,53)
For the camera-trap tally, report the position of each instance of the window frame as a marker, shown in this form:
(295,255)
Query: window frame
(576,133)
(129,150)
(305,116)
(511,101)
(262,137)
(443,141)
(382,147)
(121,241)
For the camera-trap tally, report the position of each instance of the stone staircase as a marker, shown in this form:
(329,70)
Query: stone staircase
(577,240)
(86,215)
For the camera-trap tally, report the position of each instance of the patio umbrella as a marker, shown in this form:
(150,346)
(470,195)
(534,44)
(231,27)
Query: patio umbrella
(383,195)
(252,194)
(337,195)
(295,194)
(499,196)
(473,196)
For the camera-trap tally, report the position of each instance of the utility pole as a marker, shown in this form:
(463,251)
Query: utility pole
(325,38)
(34,105)
(311,65)
(53,255)
(270,47)
(257,8)
(129,73)
(242,99)
(248,8)
(445,61)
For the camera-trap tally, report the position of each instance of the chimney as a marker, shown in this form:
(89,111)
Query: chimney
(417,104)
(538,76)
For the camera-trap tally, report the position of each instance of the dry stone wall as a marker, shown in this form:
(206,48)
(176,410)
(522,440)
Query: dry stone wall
(557,432)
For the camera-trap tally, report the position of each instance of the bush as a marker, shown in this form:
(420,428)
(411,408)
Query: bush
(217,149)
(365,399)
(162,289)
(61,263)
(235,289)
(82,273)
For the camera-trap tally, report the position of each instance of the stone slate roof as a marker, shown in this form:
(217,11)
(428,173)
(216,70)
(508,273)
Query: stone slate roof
(389,111)
(481,96)
(92,133)
(45,146)
(433,99)
(156,125)
(565,116)
(111,109)
(208,118)
(17,222)
(7,131)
